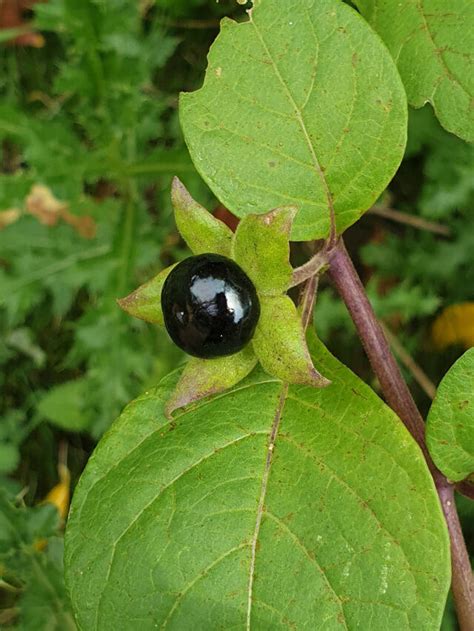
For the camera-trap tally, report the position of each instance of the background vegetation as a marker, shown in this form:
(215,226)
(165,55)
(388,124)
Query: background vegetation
(89,141)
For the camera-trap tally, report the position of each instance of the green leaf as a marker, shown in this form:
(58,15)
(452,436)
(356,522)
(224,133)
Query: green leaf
(432,43)
(261,247)
(21,528)
(203,377)
(63,405)
(9,457)
(202,232)
(263,508)
(280,345)
(145,302)
(450,423)
(301,105)
(43,603)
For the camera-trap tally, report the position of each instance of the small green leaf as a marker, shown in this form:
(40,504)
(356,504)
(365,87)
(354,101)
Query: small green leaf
(203,377)
(450,423)
(261,247)
(43,602)
(202,231)
(260,509)
(280,345)
(302,105)
(145,302)
(432,43)
(63,405)
(9,457)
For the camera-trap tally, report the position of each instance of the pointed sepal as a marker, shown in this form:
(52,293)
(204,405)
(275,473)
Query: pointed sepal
(203,377)
(145,302)
(261,246)
(280,345)
(202,231)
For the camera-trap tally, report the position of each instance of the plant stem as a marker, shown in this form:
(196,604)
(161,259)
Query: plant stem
(407,360)
(399,398)
(462,578)
(307,299)
(411,220)
(313,267)
(394,388)
(466,488)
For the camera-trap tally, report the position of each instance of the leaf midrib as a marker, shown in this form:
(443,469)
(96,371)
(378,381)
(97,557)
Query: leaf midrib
(300,119)
(263,492)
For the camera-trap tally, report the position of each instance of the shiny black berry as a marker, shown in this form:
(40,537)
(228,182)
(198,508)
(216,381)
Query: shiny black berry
(210,306)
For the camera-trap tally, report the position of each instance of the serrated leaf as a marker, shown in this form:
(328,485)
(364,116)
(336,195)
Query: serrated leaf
(44,603)
(145,302)
(63,405)
(432,43)
(261,247)
(21,527)
(450,423)
(301,105)
(203,377)
(202,232)
(259,510)
(280,345)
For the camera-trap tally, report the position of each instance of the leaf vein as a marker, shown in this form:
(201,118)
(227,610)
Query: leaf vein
(149,504)
(312,558)
(261,502)
(301,121)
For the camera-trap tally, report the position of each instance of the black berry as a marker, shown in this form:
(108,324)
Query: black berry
(210,306)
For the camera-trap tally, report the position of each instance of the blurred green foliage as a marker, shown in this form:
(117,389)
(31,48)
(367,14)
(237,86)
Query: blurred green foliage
(92,116)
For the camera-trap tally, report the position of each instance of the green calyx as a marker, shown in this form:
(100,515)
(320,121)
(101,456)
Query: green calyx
(260,246)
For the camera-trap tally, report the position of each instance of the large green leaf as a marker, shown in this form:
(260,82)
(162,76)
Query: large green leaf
(450,424)
(301,105)
(266,507)
(432,42)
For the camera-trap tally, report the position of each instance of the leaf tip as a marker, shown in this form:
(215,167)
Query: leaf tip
(318,380)
(179,193)
(126,303)
(178,399)
(141,306)
(170,407)
(283,215)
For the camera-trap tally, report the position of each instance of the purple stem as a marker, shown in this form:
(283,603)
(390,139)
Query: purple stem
(399,398)
(462,580)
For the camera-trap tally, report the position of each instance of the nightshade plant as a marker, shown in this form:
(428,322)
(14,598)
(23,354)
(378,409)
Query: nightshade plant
(261,247)
(236,496)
